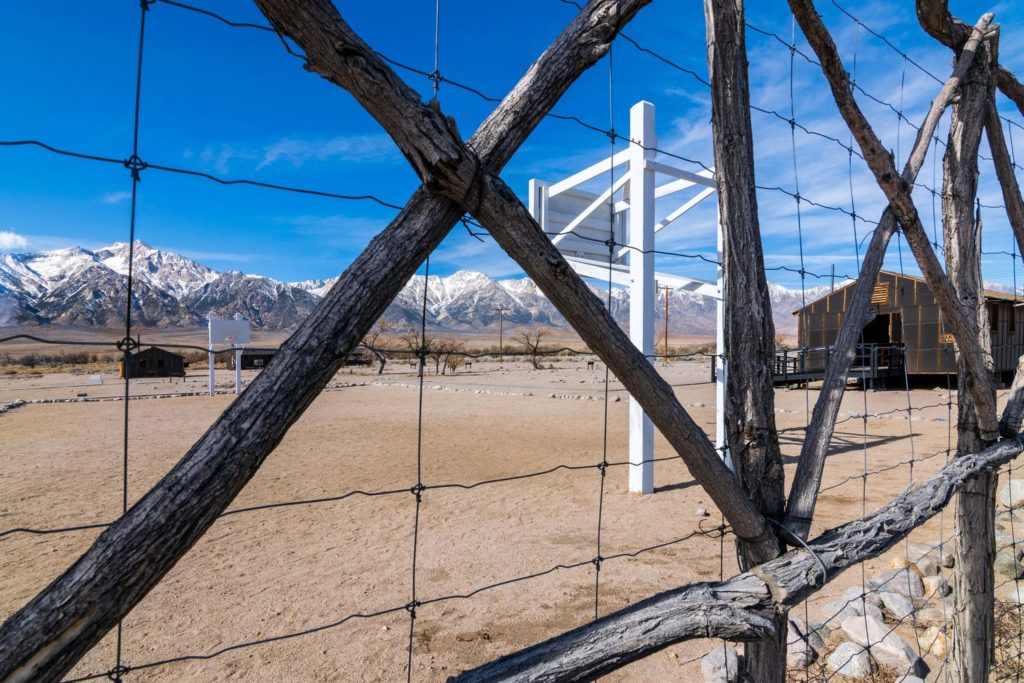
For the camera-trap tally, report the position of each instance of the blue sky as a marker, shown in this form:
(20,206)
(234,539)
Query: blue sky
(232,103)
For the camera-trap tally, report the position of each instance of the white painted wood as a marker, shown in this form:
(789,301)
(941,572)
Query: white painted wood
(238,371)
(696,178)
(643,140)
(589,173)
(600,200)
(620,276)
(577,221)
(675,215)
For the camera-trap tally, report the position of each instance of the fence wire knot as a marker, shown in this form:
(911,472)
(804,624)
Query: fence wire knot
(127,345)
(597,562)
(418,490)
(135,164)
(118,671)
(411,606)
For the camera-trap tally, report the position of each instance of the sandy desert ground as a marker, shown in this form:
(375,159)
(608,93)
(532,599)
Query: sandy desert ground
(271,572)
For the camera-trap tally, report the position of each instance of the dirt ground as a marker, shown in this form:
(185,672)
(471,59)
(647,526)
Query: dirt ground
(272,572)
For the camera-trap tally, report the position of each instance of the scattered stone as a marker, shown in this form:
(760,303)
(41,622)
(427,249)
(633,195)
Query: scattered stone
(697,404)
(851,605)
(721,665)
(934,642)
(551,396)
(909,679)
(927,565)
(886,647)
(897,606)
(799,650)
(1011,494)
(899,562)
(1008,562)
(817,632)
(856,592)
(933,615)
(850,660)
(617,399)
(703,511)
(936,585)
(905,581)
(1014,593)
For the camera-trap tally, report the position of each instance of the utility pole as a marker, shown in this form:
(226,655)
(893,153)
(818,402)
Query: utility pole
(833,288)
(667,290)
(501,333)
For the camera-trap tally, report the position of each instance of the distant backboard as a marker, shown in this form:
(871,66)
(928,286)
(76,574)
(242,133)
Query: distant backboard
(590,216)
(234,332)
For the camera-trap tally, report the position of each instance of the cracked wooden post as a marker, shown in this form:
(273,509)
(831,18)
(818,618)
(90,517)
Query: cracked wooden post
(973,580)
(749,328)
(811,466)
(46,637)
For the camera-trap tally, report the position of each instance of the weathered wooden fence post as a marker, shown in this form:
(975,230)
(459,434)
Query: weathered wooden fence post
(749,329)
(973,581)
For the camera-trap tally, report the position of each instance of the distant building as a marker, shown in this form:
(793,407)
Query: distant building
(253,358)
(907,329)
(153,362)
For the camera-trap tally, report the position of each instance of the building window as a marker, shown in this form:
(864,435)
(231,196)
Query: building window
(1012,318)
(993,317)
(880,295)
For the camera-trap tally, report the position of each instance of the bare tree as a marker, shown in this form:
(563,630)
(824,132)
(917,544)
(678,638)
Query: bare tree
(378,340)
(531,339)
(450,350)
(420,347)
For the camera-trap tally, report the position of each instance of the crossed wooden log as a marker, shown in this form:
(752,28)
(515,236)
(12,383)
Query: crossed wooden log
(45,638)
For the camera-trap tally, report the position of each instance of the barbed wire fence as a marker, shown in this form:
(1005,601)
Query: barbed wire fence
(871,592)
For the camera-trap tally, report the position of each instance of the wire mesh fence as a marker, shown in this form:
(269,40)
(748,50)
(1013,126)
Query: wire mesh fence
(613,550)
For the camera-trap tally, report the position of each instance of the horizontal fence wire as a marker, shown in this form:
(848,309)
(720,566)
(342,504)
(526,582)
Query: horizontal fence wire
(717,532)
(710,533)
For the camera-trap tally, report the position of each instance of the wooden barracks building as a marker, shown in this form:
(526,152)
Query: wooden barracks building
(907,329)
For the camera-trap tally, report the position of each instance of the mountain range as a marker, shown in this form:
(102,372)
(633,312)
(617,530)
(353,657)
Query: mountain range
(77,286)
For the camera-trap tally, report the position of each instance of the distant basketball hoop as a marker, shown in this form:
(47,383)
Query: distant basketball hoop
(235,333)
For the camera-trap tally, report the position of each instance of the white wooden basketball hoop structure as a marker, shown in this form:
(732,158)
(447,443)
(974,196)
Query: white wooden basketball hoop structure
(581,223)
(234,332)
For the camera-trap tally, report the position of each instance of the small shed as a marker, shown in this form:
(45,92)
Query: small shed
(153,362)
(907,315)
(254,358)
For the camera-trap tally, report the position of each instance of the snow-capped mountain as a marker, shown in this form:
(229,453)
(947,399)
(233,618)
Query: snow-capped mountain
(174,274)
(77,286)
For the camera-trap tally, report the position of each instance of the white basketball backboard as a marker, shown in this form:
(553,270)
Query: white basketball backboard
(234,332)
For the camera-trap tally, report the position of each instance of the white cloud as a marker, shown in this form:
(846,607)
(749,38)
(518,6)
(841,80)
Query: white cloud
(354,148)
(12,240)
(116,197)
(373,148)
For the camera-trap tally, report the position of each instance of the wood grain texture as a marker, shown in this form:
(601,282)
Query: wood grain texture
(47,636)
(897,192)
(935,18)
(742,607)
(973,581)
(749,329)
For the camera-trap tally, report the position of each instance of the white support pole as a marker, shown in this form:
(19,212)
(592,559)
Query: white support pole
(238,370)
(641,290)
(210,356)
(722,374)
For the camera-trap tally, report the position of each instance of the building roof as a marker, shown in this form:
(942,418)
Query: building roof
(990,294)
